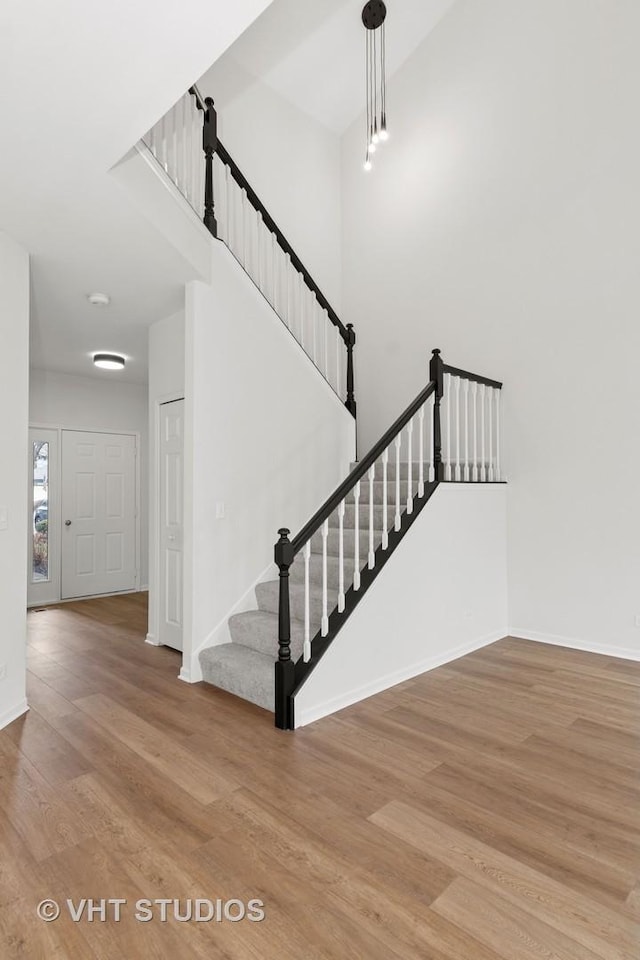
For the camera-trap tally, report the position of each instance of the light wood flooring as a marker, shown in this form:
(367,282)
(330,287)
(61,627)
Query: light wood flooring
(488,809)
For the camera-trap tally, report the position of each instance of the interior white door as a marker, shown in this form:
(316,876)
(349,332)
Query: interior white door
(171,523)
(98,513)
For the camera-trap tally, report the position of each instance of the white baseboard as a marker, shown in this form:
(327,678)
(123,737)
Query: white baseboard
(13,713)
(304,717)
(152,640)
(186,677)
(587,646)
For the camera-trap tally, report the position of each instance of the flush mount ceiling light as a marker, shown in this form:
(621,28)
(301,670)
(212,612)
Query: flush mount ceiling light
(109,361)
(373,17)
(99,299)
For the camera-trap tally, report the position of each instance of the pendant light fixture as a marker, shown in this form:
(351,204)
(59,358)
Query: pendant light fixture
(373,17)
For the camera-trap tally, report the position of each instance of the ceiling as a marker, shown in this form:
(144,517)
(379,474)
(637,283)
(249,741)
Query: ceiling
(312,53)
(79,84)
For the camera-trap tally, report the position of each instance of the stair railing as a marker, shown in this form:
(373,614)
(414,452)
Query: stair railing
(185,143)
(410,461)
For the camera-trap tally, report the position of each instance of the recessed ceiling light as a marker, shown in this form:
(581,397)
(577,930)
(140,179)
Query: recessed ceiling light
(109,361)
(99,299)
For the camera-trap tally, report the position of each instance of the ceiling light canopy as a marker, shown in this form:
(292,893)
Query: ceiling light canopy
(374,15)
(99,299)
(109,361)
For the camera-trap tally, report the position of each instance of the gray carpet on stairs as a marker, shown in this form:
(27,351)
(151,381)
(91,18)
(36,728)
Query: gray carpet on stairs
(245,667)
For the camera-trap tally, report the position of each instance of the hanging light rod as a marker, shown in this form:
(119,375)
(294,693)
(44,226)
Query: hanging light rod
(374,15)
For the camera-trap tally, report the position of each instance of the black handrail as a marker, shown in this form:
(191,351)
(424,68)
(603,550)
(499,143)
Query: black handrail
(271,225)
(212,145)
(258,205)
(359,471)
(456,372)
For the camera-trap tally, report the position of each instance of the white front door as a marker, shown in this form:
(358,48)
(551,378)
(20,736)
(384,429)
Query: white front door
(98,513)
(171,523)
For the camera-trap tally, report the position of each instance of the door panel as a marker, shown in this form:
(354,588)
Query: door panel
(171,523)
(98,513)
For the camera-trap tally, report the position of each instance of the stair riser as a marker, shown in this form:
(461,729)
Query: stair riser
(268,599)
(333,544)
(391,472)
(265,641)
(364,510)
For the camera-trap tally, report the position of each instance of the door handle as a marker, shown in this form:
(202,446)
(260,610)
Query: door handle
(67,523)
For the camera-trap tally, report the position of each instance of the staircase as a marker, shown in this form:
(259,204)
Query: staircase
(245,667)
(450,433)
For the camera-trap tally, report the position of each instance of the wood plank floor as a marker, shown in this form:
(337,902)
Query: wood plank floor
(488,809)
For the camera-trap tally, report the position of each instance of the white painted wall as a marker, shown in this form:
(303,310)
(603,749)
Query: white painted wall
(501,223)
(290,160)
(14,402)
(166,382)
(265,435)
(97,403)
(442,594)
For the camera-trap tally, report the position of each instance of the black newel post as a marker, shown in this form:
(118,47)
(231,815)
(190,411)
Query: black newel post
(350,341)
(436,373)
(209,145)
(284,664)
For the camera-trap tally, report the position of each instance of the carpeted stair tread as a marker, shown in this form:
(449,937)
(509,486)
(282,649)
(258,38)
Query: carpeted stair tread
(258,629)
(241,671)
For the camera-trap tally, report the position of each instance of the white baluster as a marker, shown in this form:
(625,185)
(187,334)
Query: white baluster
(306,650)
(410,466)
(324,627)
(184,181)
(287,275)
(474,390)
(191,149)
(325,352)
(162,136)
(356,549)
(498,435)
(151,140)
(314,328)
(385,518)
(465,387)
(490,399)
(421,451)
(301,292)
(259,232)
(447,396)
(274,272)
(398,518)
(483,472)
(431,408)
(339,347)
(173,153)
(243,223)
(341,510)
(372,551)
(458,473)
(227,204)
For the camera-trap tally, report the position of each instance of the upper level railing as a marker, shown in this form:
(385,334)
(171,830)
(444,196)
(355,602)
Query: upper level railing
(450,432)
(186,144)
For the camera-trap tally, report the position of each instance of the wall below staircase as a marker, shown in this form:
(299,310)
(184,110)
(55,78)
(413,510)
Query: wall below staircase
(442,594)
(265,436)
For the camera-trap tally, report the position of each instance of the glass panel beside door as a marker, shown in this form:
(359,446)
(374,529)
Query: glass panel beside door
(43,577)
